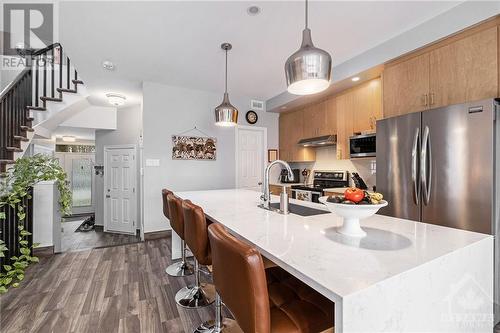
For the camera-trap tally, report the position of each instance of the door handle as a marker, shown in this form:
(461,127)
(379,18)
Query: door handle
(426,160)
(414,152)
(108,196)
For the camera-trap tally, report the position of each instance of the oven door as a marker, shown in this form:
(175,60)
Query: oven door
(302,195)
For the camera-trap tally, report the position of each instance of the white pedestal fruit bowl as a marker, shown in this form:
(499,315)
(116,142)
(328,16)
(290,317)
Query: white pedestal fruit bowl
(352,213)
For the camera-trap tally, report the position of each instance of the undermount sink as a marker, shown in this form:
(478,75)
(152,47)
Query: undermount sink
(300,210)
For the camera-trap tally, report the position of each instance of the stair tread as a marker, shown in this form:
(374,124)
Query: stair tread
(15,149)
(52,99)
(36,108)
(77,81)
(73,91)
(21,138)
(27,128)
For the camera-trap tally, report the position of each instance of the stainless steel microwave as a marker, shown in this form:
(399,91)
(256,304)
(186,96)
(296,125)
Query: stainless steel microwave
(363,145)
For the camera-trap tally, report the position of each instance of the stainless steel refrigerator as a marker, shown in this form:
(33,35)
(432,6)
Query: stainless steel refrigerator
(440,167)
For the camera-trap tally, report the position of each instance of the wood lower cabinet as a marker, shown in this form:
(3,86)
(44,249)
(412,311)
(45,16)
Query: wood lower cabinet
(406,86)
(277,189)
(464,71)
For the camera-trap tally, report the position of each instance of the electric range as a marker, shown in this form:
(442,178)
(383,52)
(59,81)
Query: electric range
(321,181)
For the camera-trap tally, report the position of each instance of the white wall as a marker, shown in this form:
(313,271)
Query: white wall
(169,110)
(129,125)
(98,117)
(326,159)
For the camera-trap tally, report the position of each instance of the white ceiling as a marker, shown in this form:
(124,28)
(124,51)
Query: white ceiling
(177,43)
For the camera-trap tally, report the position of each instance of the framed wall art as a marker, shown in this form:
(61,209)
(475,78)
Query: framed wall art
(194,148)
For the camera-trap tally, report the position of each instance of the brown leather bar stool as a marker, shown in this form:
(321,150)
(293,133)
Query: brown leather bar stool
(172,209)
(260,300)
(196,236)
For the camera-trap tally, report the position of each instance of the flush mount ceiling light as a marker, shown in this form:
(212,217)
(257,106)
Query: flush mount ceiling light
(253,10)
(68,138)
(116,99)
(106,64)
(355,79)
(226,114)
(308,71)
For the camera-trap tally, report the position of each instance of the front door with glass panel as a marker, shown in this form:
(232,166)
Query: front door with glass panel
(79,169)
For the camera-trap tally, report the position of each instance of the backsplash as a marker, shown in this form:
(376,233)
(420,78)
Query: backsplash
(326,159)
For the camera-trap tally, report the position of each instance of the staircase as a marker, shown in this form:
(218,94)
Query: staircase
(46,80)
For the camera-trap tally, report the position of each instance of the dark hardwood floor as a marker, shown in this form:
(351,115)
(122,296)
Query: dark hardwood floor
(113,289)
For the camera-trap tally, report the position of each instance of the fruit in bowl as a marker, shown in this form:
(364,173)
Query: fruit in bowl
(356,196)
(354,205)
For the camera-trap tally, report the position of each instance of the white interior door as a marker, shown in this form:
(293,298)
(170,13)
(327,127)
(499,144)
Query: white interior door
(120,204)
(250,155)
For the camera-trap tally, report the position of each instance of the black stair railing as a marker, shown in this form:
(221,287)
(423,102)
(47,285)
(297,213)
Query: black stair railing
(43,80)
(10,231)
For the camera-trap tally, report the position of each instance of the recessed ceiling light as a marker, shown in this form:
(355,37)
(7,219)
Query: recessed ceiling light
(116,99)
(68,138)
(106,64)
(356,78)
(253,10)
(284,107)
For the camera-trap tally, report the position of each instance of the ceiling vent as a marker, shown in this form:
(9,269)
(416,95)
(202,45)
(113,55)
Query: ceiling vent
(256,105)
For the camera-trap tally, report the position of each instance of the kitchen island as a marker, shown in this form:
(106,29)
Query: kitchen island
(404,276)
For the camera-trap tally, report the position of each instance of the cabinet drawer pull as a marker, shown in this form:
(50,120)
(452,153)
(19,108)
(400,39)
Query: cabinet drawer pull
(431,102)
(424,99)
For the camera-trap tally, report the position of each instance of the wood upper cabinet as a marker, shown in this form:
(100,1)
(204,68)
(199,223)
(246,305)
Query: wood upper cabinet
(291,132)
(331,115)
(345,107)
(461,69)
(406,86)
(315,120)
(465,70)
(367,106)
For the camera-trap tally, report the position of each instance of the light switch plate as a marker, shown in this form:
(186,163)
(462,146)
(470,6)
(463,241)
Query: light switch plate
(152,162)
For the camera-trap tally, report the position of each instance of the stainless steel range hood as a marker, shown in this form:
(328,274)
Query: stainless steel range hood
(320,141)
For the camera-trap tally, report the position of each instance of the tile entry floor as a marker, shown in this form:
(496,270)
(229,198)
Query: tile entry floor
(78,241)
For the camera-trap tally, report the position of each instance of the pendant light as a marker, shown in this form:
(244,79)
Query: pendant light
(308,71)
(226,114)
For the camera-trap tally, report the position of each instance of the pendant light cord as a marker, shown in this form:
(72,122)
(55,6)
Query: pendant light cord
(225,87)
(307,23)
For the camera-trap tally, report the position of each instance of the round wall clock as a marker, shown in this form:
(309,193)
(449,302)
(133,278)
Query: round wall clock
(251,117)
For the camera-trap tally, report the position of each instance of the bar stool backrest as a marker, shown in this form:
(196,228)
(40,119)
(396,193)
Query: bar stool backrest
(196,233)
(176,216)
(164,194)
(240,280)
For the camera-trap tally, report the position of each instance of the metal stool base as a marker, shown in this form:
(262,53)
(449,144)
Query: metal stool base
(196,297)
(228,326)
(180,269)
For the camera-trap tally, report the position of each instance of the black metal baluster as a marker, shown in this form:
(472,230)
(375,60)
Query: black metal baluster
(60,70)
(68,78)
(53,91)
(36,82)
(44,78)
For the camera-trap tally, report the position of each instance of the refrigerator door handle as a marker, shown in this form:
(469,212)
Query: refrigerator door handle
(414,166)
(426,160)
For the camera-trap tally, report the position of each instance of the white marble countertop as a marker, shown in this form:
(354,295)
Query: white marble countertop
(311,249)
